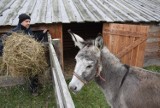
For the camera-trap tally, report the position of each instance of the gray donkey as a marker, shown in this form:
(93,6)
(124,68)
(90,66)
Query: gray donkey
(123,86)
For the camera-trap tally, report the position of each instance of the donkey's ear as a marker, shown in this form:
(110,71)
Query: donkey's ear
(99,42)
(78,41)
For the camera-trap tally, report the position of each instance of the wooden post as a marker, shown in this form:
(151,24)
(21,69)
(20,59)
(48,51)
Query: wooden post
(56,32)
(56,43)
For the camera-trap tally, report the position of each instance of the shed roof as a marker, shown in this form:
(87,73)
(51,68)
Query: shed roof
(67,11)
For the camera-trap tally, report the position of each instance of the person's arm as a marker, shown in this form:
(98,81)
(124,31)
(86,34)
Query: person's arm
(41,36)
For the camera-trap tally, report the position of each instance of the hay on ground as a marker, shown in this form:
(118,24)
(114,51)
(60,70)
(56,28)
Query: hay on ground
(24,56)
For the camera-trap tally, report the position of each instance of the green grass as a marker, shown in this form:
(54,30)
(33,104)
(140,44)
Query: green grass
(20,97)
(89,97)
(153,68)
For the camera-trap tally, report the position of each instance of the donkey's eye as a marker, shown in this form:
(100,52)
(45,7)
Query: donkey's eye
(89,66)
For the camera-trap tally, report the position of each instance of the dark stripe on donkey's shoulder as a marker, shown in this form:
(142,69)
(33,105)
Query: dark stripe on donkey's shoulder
(125,75)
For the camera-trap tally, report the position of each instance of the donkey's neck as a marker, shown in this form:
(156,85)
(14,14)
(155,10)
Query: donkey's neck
(110,59)
(110,63)
(113,71)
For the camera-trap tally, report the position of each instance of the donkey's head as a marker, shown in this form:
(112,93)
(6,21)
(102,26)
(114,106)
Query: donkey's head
(87,61)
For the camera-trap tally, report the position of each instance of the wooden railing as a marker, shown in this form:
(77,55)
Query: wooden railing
(63,97)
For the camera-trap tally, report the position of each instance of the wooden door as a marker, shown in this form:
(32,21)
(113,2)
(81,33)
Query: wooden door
(126,41)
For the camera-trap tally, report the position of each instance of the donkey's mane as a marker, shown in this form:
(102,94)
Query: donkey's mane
(89,42)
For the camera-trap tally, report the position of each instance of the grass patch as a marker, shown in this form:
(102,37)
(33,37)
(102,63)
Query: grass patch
(89,97)
(153,68)
(20,97)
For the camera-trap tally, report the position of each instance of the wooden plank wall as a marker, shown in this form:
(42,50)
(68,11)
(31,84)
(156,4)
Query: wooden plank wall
(121,39)
(152,51)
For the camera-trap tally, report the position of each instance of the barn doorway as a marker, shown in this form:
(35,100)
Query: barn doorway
(85,30)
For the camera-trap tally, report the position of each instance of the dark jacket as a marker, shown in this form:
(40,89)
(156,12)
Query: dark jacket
(39,36)
(19,29)
(22,29)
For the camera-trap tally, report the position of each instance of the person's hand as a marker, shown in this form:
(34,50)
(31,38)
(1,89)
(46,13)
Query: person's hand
(45,30)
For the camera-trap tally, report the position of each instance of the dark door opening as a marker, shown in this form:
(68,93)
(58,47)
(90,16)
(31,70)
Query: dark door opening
(86,31)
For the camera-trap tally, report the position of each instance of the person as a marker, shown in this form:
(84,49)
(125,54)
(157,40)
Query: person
(24,27)
(23,24)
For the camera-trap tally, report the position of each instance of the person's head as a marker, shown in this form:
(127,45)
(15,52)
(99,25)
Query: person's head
(24,20)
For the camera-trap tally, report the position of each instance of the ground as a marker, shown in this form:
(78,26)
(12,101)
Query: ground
(20,97)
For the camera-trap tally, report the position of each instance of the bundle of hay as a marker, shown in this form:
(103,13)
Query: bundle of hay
(24,56)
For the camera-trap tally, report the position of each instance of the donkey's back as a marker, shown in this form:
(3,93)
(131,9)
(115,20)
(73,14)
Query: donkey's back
(141,89)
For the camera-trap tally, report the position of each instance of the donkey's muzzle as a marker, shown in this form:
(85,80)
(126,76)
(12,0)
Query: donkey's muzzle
(73,88)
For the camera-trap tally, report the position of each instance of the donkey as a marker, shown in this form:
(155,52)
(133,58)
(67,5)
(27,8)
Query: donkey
(123,86)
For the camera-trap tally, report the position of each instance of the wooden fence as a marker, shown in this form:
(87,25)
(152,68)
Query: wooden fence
(62,94)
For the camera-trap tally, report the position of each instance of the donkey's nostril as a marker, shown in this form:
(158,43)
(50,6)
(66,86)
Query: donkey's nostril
(75,88)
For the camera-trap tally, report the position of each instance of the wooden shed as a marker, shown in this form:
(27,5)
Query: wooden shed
(130,28)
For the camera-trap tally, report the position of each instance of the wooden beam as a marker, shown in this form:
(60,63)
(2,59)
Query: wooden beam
(11,81)
(56,32)
(57,89)
(130,47)
(4,29)
(123,33)
(57,45)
